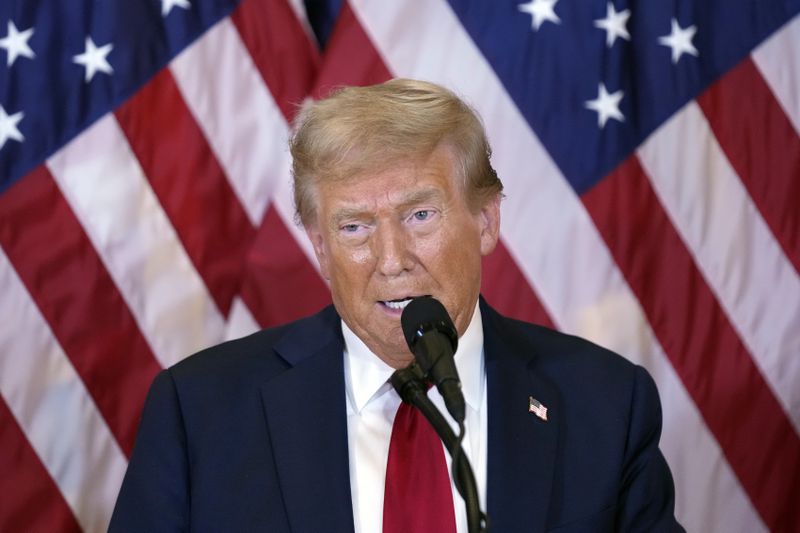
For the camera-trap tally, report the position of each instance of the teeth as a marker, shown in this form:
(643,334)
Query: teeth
(398,304)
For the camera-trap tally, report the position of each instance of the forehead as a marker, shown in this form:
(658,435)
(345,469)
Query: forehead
(399,183)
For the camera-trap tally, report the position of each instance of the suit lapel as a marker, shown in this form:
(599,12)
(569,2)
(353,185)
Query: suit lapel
(522,446)
(306,417)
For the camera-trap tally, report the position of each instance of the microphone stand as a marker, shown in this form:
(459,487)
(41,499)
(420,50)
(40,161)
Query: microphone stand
(409,383)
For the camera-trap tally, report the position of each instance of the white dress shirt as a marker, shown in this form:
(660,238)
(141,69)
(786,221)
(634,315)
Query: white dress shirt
(372,405)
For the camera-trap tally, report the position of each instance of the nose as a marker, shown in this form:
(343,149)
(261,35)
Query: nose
(392,249)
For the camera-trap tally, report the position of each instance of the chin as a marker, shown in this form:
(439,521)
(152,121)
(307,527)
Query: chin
(398,350)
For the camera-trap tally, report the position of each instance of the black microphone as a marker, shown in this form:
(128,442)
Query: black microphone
(433,340)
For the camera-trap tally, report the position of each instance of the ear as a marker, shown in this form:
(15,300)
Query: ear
(318,242)
(490,225)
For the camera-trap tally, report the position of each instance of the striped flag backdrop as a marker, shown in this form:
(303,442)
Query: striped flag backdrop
(651,158)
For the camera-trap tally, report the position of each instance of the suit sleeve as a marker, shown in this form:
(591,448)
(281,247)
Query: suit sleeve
(647,498)
(155,491)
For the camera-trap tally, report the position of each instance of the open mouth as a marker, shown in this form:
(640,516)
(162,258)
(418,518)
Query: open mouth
(399,304)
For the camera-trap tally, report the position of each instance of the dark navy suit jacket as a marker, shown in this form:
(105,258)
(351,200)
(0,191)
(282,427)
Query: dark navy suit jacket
(251,435)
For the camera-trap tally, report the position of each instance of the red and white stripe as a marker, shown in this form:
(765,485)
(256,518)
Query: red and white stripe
(778,59)
(731,245)
(50,402)
(138,245)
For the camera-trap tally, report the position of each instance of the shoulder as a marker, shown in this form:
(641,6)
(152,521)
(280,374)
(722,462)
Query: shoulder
(256,358)
(607,414)
(582,375)
(558,354)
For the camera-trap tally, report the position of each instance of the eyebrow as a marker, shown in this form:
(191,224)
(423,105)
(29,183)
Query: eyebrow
(420,196)
(407,200)
(347,213)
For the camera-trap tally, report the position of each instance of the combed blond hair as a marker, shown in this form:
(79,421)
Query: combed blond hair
(358,129)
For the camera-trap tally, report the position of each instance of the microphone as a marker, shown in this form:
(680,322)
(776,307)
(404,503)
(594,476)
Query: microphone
(432,338)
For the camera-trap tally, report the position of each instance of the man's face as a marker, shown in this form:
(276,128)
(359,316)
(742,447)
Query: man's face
(385,237)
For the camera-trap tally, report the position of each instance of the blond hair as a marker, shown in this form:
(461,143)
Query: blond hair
(358,129)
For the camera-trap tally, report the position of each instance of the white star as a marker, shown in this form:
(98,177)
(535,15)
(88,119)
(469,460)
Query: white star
(680,40)
(606,105)
(540,11)
(167,5)
(8,126)
(16,43)
(94,59)
(614,24)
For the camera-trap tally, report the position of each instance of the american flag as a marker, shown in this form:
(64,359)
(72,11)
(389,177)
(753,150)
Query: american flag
(536,407)
(650,153)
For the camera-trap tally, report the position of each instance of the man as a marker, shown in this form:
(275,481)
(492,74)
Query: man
(289,429)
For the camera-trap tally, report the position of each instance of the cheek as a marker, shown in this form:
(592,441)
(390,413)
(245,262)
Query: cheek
(350,266)
(465,257)
(454,251)
(355,259)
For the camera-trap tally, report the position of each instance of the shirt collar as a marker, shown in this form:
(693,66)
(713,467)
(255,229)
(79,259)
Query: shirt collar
(367,376)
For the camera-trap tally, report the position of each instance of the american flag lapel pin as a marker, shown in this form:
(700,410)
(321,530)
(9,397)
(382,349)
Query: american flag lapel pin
(536,407)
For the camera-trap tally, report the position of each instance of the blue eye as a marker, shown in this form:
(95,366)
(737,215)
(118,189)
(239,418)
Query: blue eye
(422,215)
(350,228)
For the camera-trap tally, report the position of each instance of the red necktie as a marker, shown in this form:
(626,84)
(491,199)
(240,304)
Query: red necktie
(417,498)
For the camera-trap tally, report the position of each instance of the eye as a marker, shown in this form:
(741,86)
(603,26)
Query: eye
(350,228)
(422,217)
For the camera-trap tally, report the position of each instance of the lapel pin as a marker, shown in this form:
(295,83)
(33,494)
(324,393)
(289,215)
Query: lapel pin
(536,407)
